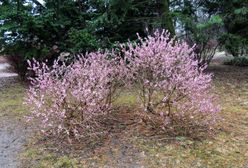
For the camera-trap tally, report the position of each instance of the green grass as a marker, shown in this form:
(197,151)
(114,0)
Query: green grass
(40,159)
(11,100)
(126,98)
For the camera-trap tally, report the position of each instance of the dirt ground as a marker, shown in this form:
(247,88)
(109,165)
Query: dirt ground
(13,131)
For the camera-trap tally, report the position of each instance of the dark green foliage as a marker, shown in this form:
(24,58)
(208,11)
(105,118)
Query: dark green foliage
(81,41)
(44,31)
(119,20)
(237,61)
(235,44)
(234,14)
(198,29)
(236,22)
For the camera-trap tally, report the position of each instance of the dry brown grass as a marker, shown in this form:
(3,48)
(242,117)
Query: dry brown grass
(132,144)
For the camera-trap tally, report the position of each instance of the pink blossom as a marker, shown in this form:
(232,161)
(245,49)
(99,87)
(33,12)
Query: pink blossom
(169,80)
(68,99)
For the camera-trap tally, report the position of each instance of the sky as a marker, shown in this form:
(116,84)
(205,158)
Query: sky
(41,1)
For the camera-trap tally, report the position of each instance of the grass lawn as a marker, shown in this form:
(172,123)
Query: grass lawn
(11,100)
(228,147)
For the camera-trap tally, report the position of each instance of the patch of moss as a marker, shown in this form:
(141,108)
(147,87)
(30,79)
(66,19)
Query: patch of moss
(39,158)
(126,98)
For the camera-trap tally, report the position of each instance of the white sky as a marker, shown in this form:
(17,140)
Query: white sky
(41,1)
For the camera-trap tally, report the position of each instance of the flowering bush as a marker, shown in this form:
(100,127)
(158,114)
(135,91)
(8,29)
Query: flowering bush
(172,88)
(174,91)
(71,99)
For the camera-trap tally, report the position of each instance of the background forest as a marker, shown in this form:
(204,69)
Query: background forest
(44,29)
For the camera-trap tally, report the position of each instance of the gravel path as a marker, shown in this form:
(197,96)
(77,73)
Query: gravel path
(5,70)
(12,139)
(12,131)
(220,57)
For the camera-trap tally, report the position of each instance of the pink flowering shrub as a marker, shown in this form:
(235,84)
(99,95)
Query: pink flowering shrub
(74,99)
(172,89)
(71,100)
